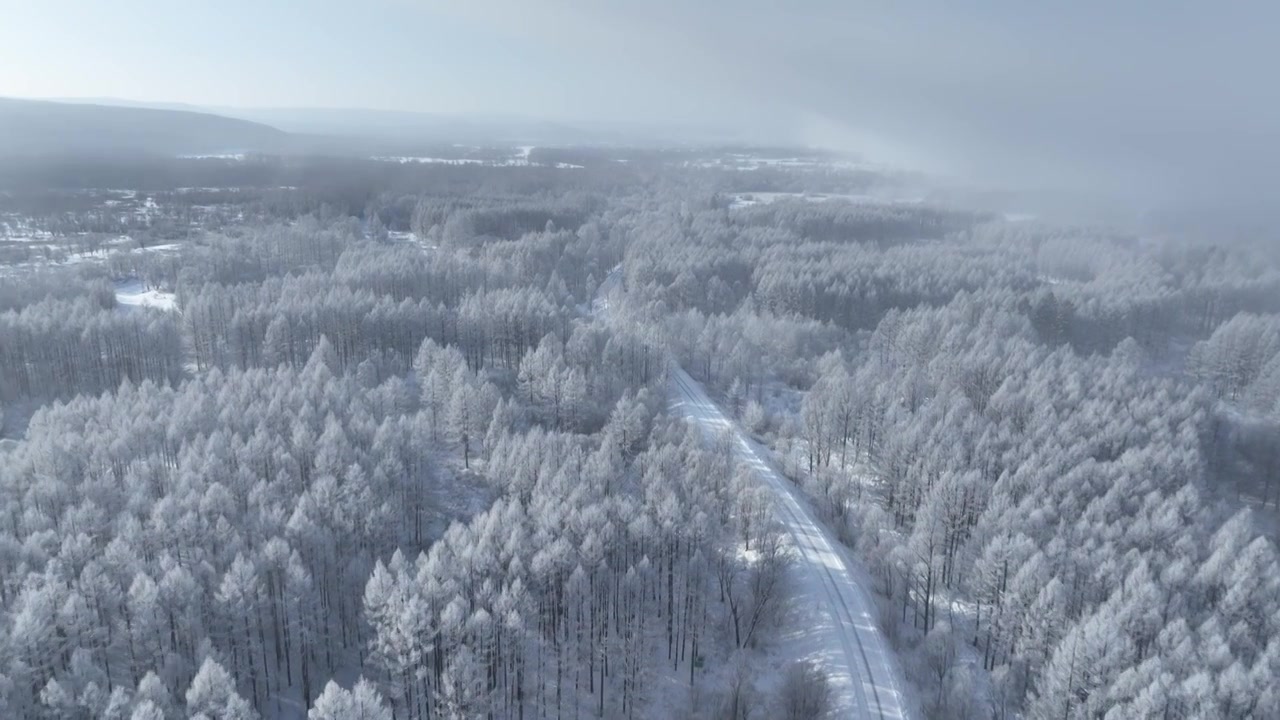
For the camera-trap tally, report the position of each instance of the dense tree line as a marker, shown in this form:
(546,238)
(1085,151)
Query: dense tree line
(1069,499)
(380,461)
(61,348)
(556,601)
(238,506)
(242,538)
(716,260)
(17,292)
(1023,449)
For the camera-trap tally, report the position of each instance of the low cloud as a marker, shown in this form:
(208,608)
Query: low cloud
(1155,102)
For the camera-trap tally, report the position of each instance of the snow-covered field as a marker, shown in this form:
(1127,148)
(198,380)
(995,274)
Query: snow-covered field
(1015,217)
(749,161)
(747,199)
(831,621)
(519,160)
(54,252)
(411,238)
(425,160)
(135,294)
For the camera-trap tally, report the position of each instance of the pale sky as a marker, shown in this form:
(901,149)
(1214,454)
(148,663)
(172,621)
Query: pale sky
(1156,96)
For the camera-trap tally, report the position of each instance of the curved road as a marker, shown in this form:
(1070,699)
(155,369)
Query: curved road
(841,636)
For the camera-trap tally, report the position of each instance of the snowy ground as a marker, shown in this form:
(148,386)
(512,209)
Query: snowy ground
(612,281)
(55,251)
(1017,217)
(831,617)
(747,199)
(749,161)
(133,294)
(521,159)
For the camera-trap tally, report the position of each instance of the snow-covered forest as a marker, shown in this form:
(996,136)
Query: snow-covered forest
(363,439)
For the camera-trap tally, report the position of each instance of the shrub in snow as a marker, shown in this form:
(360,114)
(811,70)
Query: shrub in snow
(805,693)
(755,418)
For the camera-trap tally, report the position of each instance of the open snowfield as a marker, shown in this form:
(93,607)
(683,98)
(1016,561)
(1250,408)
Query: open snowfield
(520,160)
(749,161)
(831,618)
(1018,217)
(747,199)
(135,294)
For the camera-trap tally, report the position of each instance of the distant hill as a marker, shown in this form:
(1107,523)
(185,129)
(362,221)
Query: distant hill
(76,126)
(38,127)
(330,128)
(339,127)
(395,125)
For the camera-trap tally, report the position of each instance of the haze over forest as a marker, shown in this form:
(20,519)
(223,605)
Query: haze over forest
(1163,106)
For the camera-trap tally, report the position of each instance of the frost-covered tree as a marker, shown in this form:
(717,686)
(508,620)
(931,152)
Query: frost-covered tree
(213,695)
(360,703)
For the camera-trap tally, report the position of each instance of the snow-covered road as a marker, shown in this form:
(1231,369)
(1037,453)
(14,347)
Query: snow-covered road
(831,621)
(843,638)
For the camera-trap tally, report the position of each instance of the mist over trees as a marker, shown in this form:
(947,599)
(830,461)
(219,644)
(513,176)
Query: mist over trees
(384,459)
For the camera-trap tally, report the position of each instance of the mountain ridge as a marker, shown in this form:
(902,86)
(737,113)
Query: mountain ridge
(47,128)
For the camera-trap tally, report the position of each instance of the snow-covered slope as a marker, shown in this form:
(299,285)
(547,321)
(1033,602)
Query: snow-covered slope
(850,647)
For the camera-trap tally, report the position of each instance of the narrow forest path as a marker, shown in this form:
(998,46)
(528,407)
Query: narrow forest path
(831,619)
